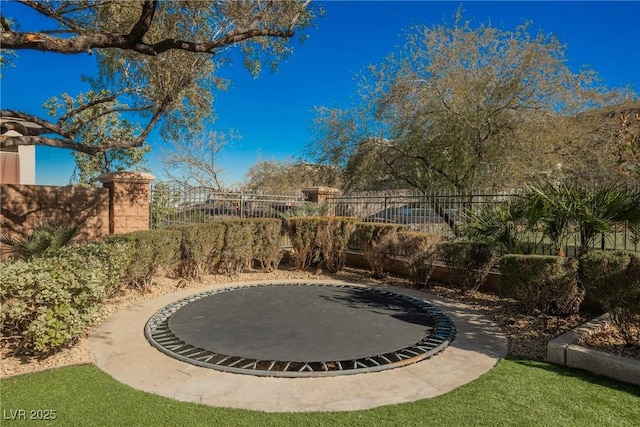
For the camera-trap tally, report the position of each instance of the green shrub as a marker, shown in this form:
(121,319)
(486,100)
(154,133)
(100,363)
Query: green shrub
(201,249)
(420,252)
(237,252)
(613,279)
(378,242)
(48,302)
(266,243)
(542,283)
(334,234)
(152,250)
(468,263)
(46,239)
(303,232)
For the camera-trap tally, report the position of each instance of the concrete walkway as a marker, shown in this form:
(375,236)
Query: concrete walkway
(121,350)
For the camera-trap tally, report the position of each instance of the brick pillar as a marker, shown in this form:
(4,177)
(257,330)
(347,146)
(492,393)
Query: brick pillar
(320,194)
(128,200)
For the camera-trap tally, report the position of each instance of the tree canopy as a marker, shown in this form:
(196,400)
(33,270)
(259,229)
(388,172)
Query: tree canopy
(461,106)
(157,63)
(289,176)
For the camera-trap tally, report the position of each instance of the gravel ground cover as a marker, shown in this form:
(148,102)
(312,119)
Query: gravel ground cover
(528,335)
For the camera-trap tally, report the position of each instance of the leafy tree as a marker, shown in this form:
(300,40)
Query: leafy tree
(461,106)
(628,143)
(289,177)
(157,63)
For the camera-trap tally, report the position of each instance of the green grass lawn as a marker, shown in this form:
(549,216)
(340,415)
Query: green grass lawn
(518,392)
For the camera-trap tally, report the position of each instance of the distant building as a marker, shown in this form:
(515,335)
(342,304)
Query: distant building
(17,164)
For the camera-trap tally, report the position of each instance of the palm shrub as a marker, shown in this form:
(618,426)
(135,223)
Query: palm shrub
(378,241)
(47,302)
(46,239)
(502,225)
(419,250)
(334,235)
(552,210)
(468,263)
(152,251)
(542,283)
(560,210)
(613,279)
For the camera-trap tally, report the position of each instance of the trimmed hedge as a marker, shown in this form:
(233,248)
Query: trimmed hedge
(267,239)
(468,263)
(613,279)
(303,232)
(378,241)
(237,252)
(153,250)
(543,283)
(48,302)
(420,252)
(334,235)
(201,249)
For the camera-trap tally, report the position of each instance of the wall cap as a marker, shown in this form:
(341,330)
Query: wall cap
(126,177)
(321,190)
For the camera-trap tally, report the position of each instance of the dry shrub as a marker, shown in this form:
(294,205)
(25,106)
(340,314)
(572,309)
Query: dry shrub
(334,234)
(542,283)
(420,252)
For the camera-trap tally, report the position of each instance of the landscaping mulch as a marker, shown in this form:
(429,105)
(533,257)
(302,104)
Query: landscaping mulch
(610,341)
(527,335)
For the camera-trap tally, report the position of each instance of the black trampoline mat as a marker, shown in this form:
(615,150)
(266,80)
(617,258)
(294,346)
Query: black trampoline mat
(300,329)
(300,323)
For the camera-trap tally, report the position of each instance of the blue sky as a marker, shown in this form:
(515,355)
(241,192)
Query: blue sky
(274,112)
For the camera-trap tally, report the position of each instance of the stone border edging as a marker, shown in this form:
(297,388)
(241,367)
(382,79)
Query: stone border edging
(565,351)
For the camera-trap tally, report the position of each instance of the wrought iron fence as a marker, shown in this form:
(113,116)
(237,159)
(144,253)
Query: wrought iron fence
(174,203)
(446,213)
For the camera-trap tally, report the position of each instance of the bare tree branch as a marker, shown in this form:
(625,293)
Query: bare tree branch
(15,141)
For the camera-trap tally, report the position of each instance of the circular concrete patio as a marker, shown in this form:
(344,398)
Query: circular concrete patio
(121,349)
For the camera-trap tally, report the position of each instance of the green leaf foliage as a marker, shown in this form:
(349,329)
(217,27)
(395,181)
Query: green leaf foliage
(468,263)
(613,279)
(48,302)
(46,239)
(152,250)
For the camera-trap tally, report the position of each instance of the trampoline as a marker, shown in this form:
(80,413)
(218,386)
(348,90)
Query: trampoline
(300,329)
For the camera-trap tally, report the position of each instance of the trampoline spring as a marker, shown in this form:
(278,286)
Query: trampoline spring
(305,367)
(236,362)
(252,365)
(205,358)
(373,361)
(186,350)
(286,367)
(359,363)
(273,363)
(223,360)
